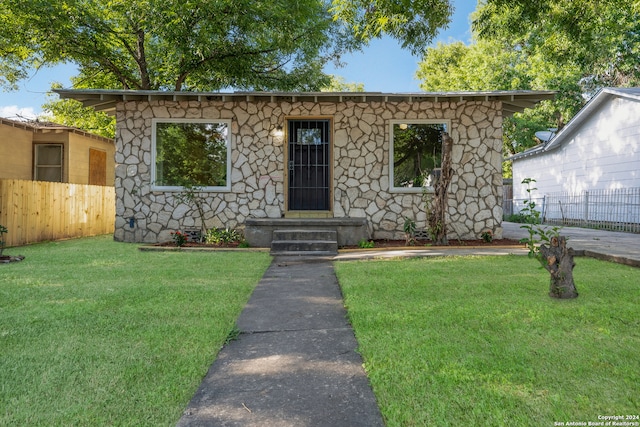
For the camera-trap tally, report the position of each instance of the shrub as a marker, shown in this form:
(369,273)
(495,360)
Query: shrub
(223,236)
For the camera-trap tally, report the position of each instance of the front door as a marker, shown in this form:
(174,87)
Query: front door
(308,165)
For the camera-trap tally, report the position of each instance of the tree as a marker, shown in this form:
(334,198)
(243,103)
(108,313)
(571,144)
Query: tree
(338,84)
(413,23)
(206,44)
(600,37)
(572,46)
(490,65)
(174,44)
(203,45)
(437,206)
(70,112)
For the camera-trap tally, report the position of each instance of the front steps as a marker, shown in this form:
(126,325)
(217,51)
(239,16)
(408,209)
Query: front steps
(304,242)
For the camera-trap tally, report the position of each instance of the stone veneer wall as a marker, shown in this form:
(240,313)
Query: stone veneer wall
(360,172)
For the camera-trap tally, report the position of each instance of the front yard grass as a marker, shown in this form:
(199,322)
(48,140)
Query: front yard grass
(95,332)
(477,341)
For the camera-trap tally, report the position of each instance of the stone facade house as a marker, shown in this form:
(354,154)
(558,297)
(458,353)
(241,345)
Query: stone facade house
(363,161)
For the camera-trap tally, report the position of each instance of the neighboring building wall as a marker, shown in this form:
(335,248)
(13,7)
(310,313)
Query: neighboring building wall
(360,166)
(16,152)
(79,147)
(17,147)
(603,153)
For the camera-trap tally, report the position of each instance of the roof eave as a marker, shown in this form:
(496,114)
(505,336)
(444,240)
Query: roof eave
(106,100)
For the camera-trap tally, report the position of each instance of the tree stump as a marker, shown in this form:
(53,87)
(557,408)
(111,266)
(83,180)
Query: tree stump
(558,260)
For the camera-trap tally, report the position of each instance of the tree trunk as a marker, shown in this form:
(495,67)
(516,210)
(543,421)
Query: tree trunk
(436,215)
(558,260)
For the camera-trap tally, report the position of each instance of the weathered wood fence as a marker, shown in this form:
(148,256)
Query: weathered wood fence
(35,211)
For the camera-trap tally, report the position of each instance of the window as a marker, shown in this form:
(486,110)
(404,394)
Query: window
(191,153)
(48,162)
(416,151)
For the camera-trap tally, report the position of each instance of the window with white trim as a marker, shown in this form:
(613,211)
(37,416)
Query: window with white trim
(194,153)
(415,153)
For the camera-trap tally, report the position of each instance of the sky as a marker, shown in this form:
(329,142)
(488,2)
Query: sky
(382,67)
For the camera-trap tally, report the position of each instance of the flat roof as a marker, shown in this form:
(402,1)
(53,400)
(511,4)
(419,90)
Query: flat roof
(106,99)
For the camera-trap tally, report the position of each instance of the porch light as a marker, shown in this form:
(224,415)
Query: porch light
(279,133)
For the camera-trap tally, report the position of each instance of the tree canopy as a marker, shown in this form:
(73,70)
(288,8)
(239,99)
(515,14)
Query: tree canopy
(204,44)
(174,44)
(572,46)
(601,37)
(413,23)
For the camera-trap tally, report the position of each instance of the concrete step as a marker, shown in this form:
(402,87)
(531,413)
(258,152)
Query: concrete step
(305,234)
(304,242)
(279,247)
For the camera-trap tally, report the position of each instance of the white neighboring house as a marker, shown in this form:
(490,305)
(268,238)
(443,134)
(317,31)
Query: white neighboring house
(597,152)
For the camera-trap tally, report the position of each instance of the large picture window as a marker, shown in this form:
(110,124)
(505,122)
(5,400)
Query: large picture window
(191,153)
(416,153)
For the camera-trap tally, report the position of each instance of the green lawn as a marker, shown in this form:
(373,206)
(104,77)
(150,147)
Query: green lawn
(94,332)
(476,341)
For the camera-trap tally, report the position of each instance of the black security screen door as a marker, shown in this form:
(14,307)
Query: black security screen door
(309,165)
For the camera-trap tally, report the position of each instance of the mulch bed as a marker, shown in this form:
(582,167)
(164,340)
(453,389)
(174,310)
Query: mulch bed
(6,259)
(200,245)
(378,244)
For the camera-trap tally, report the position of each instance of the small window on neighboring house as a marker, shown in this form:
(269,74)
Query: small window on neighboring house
(48,162)
(416,153)
(191,153)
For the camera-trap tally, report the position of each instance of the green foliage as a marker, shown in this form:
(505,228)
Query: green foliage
(518,218)
(179,238)
(487,236)
(600,38)
(191,195)
(338,84)
(533,224)
(572,46)
(69,112)
(174,45)
(206,45)
(366,244)
(409,231)
(492,65)
(223,236)
(483,65)
(233,335)
(413,23)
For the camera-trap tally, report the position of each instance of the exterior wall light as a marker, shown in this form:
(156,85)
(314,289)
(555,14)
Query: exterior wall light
(279,132)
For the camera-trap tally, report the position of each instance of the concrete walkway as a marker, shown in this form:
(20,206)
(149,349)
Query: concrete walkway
(295,362)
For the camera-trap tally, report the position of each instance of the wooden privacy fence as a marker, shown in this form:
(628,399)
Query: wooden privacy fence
(35,211)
